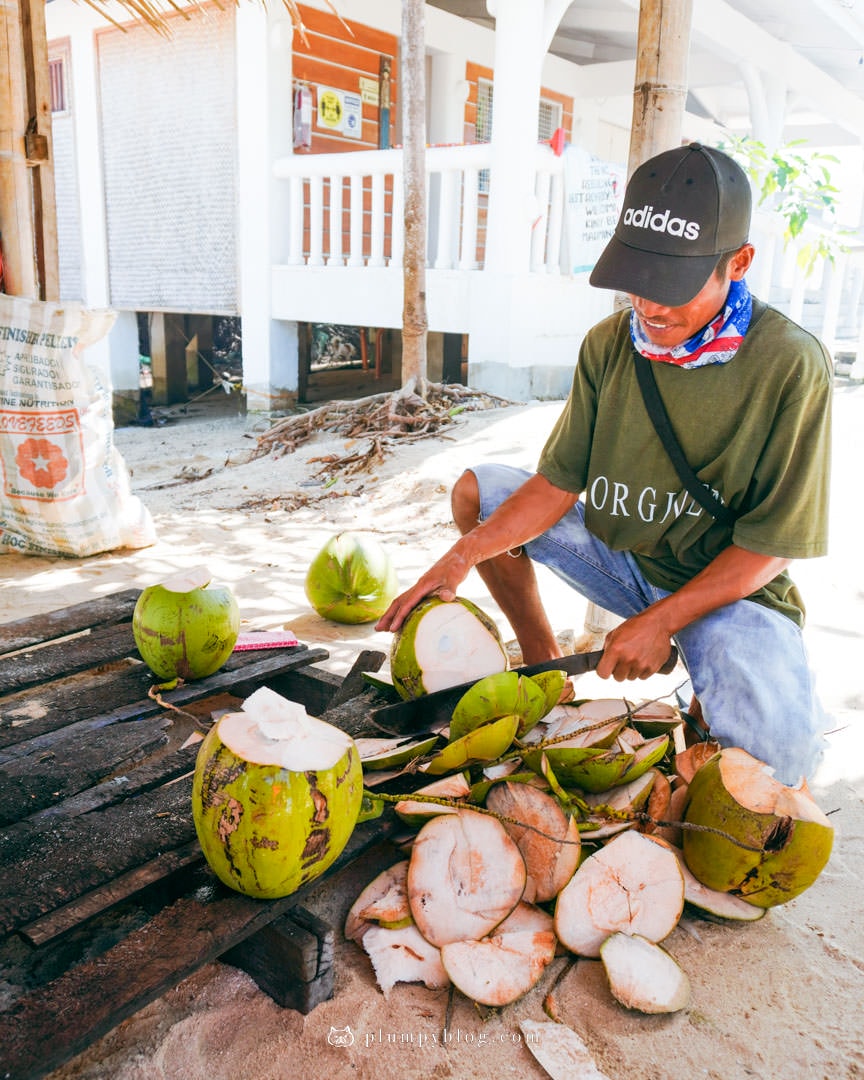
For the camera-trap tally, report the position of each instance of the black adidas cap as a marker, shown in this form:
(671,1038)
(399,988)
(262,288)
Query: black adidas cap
(682,210)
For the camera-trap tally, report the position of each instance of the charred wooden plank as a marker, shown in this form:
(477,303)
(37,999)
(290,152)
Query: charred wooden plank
(59,922)
(51,705)
(100,646)
(49,774)
(51,867)
(257,672)
(100,611)
(89,1000)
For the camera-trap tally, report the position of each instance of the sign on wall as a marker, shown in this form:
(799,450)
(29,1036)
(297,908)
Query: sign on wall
(593,193)
(340,111)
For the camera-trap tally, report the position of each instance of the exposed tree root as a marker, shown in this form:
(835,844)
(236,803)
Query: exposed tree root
(402,415)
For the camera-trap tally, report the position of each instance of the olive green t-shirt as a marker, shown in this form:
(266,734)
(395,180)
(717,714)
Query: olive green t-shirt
(755,430)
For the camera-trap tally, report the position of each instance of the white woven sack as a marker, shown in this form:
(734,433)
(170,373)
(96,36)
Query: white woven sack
(64,488)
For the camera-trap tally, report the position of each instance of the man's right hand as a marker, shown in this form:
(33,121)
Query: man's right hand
(441,580)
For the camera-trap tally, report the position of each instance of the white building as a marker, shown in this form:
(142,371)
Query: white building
(184,191)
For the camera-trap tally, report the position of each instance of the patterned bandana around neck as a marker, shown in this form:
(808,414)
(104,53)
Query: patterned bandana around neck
(715,343)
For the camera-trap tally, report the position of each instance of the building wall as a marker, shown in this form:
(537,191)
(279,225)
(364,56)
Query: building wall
(169,138)
(65,175)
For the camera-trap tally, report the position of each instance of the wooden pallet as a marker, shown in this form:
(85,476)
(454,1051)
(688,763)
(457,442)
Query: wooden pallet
(107,901)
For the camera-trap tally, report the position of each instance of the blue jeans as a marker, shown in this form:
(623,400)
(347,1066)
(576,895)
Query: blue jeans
(746,662)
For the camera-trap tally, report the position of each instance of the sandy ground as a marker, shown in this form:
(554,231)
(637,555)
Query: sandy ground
(780,998)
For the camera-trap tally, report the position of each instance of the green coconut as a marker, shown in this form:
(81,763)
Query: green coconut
(440,645)
(351,579)
(768,843)
(275,796)
(183,629)
(485,743)
(505,694)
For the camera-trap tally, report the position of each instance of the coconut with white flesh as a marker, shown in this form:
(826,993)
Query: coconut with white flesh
(275,796)
(383,902)
(506,964)
(632,884)
(440,645)
(403,955)
(182,628)
(768,842)
(465,876)
(643,976)
(547,837)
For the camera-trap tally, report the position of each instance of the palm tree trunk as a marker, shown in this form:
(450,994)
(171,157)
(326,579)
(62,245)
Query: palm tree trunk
(413,82)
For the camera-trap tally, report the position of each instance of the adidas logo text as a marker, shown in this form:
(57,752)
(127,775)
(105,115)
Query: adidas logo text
(643,218)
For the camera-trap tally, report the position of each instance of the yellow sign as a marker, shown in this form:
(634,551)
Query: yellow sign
(330,109)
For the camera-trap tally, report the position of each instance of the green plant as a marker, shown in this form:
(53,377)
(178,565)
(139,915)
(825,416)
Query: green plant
(796,185)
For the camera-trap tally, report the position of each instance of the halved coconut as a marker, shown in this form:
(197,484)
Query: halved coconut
(550,863)
(443,644)
(465,876)
(500,968)
(415,812)
(644,976)
(632,884)
(403,955)
(383,902)
(777,841)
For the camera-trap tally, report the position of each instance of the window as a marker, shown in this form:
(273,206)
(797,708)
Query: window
(548,121)
(57,77)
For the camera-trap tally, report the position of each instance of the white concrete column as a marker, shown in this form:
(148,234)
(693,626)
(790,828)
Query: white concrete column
(264,133)
(447,93)
(519,52)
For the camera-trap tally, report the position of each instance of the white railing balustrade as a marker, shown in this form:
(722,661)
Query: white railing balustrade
(346,209)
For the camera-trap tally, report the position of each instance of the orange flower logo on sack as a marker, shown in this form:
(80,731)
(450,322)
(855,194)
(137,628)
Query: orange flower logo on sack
(42,462)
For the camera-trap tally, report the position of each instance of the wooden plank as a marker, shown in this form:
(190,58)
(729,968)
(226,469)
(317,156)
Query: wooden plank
(52,705)
(47,775)
(47,706)
(57,865)
(275,662)
(89,1000)
(97,901)
(36,629)
(66,657)
(144,778)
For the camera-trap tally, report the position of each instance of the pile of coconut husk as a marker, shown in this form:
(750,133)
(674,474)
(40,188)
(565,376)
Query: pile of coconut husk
(580,830)
(384,419)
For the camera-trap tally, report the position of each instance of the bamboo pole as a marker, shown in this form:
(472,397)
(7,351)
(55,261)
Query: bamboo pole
(413,89)
(659,95)
(660,91)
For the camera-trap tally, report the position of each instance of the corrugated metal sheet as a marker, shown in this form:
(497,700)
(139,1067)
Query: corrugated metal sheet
(168,115)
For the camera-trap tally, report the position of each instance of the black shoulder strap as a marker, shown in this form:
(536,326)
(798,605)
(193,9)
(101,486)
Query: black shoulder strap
(660,419)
